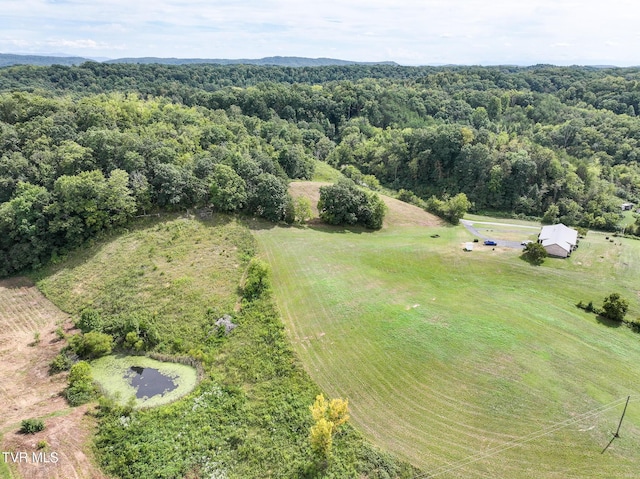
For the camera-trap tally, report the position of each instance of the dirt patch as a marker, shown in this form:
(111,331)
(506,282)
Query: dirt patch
(308,189)
(67,454)
(27,390)
(399,214)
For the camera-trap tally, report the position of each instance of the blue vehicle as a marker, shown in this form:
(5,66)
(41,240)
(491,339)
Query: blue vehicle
(490,243)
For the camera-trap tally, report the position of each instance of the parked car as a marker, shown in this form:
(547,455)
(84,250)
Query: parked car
(526,242)
(490,243)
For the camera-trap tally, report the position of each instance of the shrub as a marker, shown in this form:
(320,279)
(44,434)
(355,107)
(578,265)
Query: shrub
(80,389)
(614,307)
(257,279)
(62,362)
(133,341)
(92,345)
(409,196)
(60,334)
(31,426)
(90,320)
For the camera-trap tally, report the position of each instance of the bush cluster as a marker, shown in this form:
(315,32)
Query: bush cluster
(614,307)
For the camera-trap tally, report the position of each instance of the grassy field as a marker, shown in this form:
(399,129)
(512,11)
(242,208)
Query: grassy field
(249,417)
(452,360)
(183,272)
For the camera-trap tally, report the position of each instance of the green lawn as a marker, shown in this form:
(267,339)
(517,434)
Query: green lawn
(445,355)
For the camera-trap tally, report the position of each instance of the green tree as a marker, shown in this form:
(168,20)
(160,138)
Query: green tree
(295,162)
(24,229)
(534,253)
(344,203)
(451,209)
(87,203)
(228,189)
(456,207)
(615,307)
(269,198)
(302,209)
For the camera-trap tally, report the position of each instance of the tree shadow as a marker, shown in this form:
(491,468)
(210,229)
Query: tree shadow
(339,229)
(609,323)
(532,262)
(259,224)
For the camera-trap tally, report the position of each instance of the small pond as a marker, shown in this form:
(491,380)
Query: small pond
(150,381)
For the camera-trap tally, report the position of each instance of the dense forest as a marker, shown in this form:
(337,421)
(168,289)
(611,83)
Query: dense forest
(83,149)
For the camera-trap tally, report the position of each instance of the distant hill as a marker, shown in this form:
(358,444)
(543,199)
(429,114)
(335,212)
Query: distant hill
(278,61)
(8,59)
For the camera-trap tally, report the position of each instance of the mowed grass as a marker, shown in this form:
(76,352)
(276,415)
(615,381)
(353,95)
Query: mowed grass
(450,358)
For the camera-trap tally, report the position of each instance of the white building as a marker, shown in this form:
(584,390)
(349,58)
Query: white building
(559,240)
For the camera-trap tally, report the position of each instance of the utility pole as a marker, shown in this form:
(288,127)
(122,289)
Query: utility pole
(617,433)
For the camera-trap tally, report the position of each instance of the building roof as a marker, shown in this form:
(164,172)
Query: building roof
(559,234)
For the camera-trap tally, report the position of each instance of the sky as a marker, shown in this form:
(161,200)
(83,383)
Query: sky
(409,32)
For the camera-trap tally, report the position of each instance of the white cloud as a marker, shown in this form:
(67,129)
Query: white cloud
(410,31)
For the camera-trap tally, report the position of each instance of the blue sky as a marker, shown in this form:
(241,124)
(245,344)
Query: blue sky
(410,32)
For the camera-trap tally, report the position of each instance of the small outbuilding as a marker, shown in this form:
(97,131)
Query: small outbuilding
(468,246)
(626,206)
(559,240)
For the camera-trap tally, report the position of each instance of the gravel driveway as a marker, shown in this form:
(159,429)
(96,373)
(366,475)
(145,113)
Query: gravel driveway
(504,243)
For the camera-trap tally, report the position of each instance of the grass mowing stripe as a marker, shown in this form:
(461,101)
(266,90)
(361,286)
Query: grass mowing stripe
(522,440)
(493,348)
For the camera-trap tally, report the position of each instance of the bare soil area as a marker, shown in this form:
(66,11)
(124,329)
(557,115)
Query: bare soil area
(28,391)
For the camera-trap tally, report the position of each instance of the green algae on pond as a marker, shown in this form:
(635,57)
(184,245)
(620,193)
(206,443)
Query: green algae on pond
(151,382)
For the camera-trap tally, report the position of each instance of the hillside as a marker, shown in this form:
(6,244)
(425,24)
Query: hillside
(28,391)
(249,417)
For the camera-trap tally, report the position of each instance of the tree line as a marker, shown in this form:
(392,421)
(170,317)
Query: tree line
(83,149)
(70,170)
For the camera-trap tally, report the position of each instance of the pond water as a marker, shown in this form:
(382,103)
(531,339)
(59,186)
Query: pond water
(149,382)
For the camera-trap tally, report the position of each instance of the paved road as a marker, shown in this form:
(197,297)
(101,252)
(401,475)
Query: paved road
(508,244)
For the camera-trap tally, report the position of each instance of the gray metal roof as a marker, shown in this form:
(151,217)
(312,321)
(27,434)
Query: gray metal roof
(559,234)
